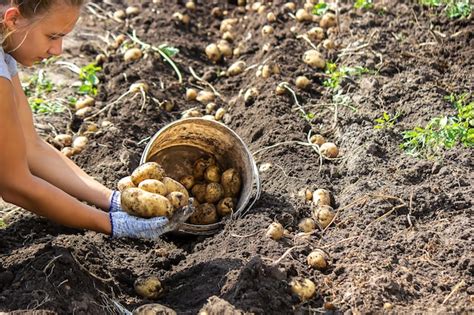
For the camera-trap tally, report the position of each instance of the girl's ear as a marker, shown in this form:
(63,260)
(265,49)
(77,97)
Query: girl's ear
(11,17)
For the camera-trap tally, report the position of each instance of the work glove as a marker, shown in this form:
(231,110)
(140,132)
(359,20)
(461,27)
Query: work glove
(126,225)
(115,203)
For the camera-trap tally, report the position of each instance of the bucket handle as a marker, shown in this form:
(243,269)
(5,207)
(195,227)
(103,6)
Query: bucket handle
(255,184)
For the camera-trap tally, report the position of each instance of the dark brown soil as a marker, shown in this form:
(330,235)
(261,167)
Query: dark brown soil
(402,241)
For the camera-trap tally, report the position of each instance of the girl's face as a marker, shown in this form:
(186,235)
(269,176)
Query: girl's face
(33,41)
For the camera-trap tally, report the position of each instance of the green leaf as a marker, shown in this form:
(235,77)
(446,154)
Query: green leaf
(320,8)
(169,50)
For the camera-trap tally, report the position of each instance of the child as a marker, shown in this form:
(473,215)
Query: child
(34,175)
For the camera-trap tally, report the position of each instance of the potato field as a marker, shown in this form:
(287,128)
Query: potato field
(358,114)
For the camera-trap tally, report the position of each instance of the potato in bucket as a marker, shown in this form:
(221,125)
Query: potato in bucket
(189,147)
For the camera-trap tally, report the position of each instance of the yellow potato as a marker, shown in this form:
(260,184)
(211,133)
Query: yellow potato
(145,204)
(231,182)
(149,170)
(153,186)
(177,199)
(201,165)
(172,185)
(322,197)
(199,192)
(214,192)
(226,206)
(318,259)
(149,288)
(213,174)
(125,183)
(323,215)
(305,288)
(205,214)
(187,182)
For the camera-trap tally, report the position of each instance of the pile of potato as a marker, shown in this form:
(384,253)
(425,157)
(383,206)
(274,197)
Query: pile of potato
(149,193)
(215,192)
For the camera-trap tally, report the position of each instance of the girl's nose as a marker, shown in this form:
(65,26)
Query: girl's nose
(57,48)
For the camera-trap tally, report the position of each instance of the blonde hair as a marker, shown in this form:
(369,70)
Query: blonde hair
(30,8)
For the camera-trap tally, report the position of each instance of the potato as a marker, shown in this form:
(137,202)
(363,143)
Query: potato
(305,288)
(231,182)
(149,288)
(316,34)
(149,170)
(191,94)
(133,54)
(204,214)
(177,199)
(63,140)
(220,114)
(302,82)
(214,192)
(201,165)
(83,112)
(213,53)
(280,89)
(138,87)
(323,215)
(328,20)
(210,108)
(267,30)
(80,143)
(317,139)
(187,182)
(307,225)
(154,309)
(172,185)
(199,192)
(205,97)
(329,44)
(68,151)
(275,231)
(305,194)
(226,206)
(213,174)
(322,197)
(318,259)
(271,17)
(329,150)
(145,204)
(250,95)
(132,11)
(236,68)
(225,48)
(314,59)
(153,186)
(85,102)
(125,183)
(302,15)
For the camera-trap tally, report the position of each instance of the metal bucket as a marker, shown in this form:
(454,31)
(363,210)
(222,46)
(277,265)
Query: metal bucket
(177,145)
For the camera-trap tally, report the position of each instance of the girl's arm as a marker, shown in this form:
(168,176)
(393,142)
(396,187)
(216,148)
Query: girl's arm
(51,165)
(19,186)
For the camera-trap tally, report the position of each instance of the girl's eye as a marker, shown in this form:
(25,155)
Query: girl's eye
(53,37)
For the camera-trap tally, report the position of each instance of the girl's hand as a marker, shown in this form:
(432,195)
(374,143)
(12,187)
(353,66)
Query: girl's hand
(125,225)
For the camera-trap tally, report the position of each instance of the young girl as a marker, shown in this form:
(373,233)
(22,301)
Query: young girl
(34,175)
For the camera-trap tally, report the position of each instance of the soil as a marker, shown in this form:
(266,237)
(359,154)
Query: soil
(402,240)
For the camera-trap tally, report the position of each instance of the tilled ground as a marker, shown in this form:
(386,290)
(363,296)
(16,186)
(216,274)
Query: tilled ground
(402,239)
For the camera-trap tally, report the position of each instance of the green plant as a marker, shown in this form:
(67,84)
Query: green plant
(442,132)
(88,79)
(453,8)
(320,8)
(166,51)
(363,4)
(36,90)
(336,74)
(3,225)
(386,121)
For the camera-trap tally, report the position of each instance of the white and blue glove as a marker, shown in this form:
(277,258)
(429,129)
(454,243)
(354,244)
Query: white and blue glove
(125,225)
